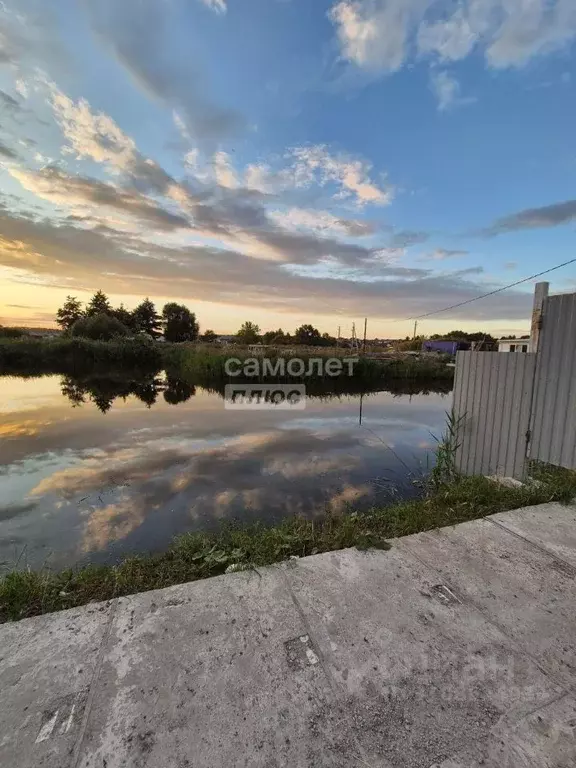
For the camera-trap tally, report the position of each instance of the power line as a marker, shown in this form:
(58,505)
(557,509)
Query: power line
(490,293)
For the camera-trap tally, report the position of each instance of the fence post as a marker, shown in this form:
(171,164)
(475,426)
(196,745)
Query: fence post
(540,295)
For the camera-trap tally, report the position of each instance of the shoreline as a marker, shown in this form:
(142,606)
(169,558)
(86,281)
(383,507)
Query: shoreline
(194,556)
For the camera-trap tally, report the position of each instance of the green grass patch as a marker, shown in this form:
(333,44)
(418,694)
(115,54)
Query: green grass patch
(73,355)
(194,556)
(199,364)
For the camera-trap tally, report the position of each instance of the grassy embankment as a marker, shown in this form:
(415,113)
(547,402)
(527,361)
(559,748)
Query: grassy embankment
(207,363)
(70,356)
(199,555)
(196,363)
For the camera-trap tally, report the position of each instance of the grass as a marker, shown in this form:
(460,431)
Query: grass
(196,362)
(72,355)
(194,556)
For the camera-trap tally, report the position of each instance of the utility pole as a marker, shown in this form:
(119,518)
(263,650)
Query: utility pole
(415,328)
(338,342)
(364,341)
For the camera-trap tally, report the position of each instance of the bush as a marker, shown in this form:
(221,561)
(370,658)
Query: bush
(77,355)
(99,328)
(11,333)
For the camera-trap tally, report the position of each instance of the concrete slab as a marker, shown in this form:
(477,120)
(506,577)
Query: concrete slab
(47,667)
(526,592)
(424,676)
(452,650)
(546,738)
(549,526)
(217,673)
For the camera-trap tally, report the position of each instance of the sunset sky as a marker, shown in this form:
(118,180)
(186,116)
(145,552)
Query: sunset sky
(287,161)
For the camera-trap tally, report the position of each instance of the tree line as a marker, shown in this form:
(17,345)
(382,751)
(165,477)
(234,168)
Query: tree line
(100,320)
(306,335)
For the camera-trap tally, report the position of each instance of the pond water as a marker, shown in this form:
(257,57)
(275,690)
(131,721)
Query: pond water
(90,472)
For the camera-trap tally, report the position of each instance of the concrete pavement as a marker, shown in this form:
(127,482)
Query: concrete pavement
(454,649)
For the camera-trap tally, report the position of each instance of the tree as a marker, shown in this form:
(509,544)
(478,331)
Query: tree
(99,328)
(146,319)
(11,333)
(179,323)
(276,337)
(125,316)
(209,336)
(329,341)
(249,333)
(69,312)
(456,335)
(308,336)
(99,305)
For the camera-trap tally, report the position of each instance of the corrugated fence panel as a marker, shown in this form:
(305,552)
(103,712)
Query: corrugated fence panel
(554,411)
(492,401)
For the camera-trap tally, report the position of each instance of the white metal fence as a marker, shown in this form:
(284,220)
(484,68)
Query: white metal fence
(512,407)
(553,424)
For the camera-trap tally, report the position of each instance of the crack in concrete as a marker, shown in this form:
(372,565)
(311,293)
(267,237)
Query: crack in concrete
(77,754)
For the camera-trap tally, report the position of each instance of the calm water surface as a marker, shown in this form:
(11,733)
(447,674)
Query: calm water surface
(91,475)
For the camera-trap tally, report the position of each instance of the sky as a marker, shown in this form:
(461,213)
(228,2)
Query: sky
(288,161)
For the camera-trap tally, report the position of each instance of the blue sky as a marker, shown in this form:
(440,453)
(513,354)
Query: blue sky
(287,161)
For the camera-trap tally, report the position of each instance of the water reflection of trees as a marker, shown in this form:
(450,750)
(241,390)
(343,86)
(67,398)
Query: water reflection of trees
(104,390)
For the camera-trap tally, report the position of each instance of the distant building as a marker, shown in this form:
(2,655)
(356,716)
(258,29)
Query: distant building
(444,346)
(513,345)
(227,339)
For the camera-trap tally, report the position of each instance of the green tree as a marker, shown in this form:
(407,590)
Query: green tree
(11,333)
(99,328)
(99,305)
(209,336)
(146,319)
(124,315)
(276,337)
(308,336)
(69,313)
(329,341)
(179,323)
(249,333)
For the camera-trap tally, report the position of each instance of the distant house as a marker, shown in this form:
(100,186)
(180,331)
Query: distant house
(444,346)
(226,339)
(513,345)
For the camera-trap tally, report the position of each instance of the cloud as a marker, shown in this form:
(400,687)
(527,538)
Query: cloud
(380,36)
(301,219)
(374,33)
(66,255)
(86,197)
(441,254)
(535,218)
(136,32)
(9,102)
(8,153)
(350,175)
(224,171)
(218,6)
(446,89)
(92,135)
(406,238)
